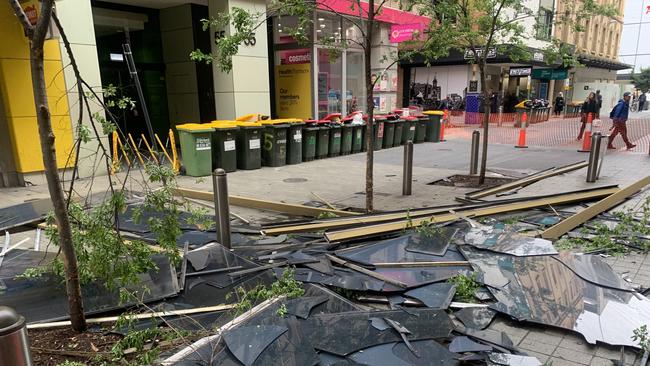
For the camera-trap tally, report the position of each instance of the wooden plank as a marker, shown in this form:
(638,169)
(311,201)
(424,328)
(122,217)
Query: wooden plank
(562,227)
(420,264)
(527,180)
(366,231)
(292,209)
(366,271)
(157,314)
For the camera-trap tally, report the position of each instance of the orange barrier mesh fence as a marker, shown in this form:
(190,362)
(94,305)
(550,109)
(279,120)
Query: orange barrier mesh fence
(554,132)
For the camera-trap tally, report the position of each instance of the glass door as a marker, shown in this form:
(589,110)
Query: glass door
(329,82)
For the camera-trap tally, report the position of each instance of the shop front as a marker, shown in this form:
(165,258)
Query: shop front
(325,74)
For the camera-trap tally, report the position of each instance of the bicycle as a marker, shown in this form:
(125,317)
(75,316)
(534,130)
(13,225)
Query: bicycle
(634,106)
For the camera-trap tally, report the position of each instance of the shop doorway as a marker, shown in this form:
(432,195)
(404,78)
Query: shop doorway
(139,27)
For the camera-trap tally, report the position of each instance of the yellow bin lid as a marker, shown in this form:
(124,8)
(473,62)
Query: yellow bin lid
(253,117)
(222,124)
(194,127)
(434,113)
(248,124)
(274,122)
(287,120)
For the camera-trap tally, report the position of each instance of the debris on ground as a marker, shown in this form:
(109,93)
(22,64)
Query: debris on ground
(412,287)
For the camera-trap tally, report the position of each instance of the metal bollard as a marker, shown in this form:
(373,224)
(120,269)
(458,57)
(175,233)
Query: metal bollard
(14,344)
(473,159)
(221,206)
(594,158)
(407,176)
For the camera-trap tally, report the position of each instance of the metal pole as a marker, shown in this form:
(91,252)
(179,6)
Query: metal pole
(473,162)
(14,344)
(594,158)
(407,176)
(136,80)
(221,207)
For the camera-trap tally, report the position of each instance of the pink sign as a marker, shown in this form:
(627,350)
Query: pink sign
(405,32)
(295,57)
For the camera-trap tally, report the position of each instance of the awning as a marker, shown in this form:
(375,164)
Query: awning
(386,14)
(602,63)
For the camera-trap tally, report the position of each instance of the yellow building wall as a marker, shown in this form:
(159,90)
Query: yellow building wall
(18,98)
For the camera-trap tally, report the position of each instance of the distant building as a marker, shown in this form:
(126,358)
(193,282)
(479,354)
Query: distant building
(635,46)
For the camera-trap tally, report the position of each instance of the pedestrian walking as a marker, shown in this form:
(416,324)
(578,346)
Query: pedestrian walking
(559,104)
(599,103)
(619,117)
(642,99)
(589,107)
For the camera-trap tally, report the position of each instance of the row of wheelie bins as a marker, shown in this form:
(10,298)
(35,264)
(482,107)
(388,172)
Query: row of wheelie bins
(233,145)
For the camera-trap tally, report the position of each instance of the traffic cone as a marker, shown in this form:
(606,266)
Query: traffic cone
(586,138)
(521,144)
(443,121)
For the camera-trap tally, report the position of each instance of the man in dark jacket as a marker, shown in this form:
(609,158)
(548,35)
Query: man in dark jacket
(642,101)
(619,117)
(599,103)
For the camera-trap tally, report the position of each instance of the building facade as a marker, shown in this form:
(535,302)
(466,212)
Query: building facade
(272,74)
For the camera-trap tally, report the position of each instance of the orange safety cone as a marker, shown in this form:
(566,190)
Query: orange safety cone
(443,121)
(521,144)
(586,138)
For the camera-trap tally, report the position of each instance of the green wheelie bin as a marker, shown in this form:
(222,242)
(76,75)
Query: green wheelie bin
(357,138)
(389,133)
(335,140)
(309,136)
(274,143)
(378,132)
(399,127)
(322,141)
(294,139)
(433,127)
(196,144)
(224,145)
(346,138)
(249,146)
(408,131)
(420,129)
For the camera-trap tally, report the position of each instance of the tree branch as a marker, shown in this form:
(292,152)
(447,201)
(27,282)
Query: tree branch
(22,17)
(43,23)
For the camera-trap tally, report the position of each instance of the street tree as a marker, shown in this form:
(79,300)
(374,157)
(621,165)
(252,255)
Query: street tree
(483,29)
(362,16)
(641,80)
(36,34)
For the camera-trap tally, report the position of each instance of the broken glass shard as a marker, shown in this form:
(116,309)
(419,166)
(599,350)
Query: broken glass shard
(513,360)
(475,318)
(248,342)
(543,290)
(394,251)
(434,244)
(397,354)
(349,332)
(435,295)
(302,306)
(593,269)
(464,344)
(379,323)
(504,239)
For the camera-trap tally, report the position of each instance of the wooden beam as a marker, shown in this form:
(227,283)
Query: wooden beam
(562,227)
(420,264)
(292,209)
(157,314)
(366,271)
(527,180)
(366,231)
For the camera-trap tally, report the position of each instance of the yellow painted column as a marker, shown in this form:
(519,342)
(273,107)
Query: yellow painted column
(18,99)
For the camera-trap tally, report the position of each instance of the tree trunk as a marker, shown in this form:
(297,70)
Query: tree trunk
(369,107)
(73,286)
(486,123)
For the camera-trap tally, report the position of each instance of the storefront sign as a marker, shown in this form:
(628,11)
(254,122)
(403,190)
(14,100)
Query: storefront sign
(473,86)
(295,57)
(520,71)
(469,54)
(550,74)
(293,95)
(405,32)
(538,56)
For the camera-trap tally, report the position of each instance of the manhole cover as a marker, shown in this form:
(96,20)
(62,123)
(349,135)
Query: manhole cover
(295,180)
